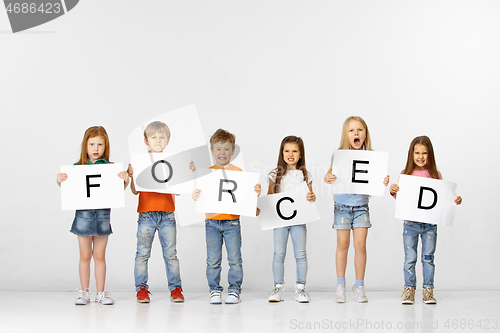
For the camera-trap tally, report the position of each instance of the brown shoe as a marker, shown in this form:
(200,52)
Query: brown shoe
(408,295)
(429,296)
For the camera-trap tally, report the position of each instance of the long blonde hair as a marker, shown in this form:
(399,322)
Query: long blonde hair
(344,140)
(92,132)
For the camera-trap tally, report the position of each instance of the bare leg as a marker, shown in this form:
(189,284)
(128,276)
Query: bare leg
(100,243)
(359,240)
(343,239)
(85,246)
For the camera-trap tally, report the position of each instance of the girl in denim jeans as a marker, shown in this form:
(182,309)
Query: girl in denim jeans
(421,163)
(351,212)
(290,172)
(92,226)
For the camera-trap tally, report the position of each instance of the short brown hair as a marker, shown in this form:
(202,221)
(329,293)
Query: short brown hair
(222,136)
(156,127)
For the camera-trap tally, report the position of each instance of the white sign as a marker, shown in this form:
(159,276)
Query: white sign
(359,172)
(426,200)
(92,187)
(287,208)
(169,173)
(228,192)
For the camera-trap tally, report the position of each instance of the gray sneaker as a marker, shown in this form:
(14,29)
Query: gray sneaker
(277,294)
(215,297)
(104,298)
(83,297)
(301,294)
(233,298)
(340,297)
(359,294)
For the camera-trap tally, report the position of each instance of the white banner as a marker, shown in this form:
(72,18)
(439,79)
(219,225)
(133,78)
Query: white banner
(426,200)
(359,172)
(287,208)
(228,192)
(92,187)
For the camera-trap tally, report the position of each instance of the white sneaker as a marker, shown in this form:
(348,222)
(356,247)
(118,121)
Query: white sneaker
(301,294)
(215,297)
(340,297)
(233,298)
(359,294)
(277,294)
(83,297)
(104,298)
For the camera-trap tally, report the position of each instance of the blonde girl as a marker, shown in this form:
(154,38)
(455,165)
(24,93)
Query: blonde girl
(351,212)
(92,226)
(420,163)
(290,172)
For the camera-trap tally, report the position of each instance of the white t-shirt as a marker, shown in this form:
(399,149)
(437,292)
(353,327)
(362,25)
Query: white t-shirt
(291,179)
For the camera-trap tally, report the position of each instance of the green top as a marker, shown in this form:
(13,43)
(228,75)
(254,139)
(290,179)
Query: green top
(100,161)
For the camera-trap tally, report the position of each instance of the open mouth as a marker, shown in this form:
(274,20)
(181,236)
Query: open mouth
(357,141)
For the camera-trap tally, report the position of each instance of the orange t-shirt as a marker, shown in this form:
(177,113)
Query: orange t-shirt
(217,216)
(155,202)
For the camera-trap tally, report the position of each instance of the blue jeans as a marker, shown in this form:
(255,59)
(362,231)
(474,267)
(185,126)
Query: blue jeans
(148,224)
(218,231)
(428,234)
(299,235)
(348,217)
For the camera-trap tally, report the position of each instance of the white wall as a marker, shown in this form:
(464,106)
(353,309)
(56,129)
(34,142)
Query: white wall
(262,70)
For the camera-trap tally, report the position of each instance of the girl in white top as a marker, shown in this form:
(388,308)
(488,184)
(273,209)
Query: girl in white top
(290,172)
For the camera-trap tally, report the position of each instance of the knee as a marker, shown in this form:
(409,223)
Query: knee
(342,246)
(360,247)
(300,255)
(279,256)
(99,257)
(428,258)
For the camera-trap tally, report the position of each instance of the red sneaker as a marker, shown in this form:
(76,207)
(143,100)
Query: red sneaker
(176,295)
(142,295)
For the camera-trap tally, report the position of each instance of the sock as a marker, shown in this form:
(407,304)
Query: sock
(360,283)
(340,281)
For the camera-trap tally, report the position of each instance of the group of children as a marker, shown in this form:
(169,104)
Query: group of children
(156,213)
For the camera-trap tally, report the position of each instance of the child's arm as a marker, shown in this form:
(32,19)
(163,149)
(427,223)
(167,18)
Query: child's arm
(329,177)
(310,195)
(60,178)
(124,175)
(458,200)
(130,171)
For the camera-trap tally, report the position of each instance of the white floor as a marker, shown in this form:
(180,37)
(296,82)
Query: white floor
(470,311)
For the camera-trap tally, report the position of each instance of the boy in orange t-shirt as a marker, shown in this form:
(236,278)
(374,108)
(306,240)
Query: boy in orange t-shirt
(220,228)
(156,213)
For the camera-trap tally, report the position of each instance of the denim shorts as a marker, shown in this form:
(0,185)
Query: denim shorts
(92,222)
(349,217)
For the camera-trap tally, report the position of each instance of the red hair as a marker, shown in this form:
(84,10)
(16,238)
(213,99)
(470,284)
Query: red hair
(92,132)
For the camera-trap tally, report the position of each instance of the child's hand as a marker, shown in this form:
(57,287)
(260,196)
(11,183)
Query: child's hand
(311,196)
(386,180)
(329,178)
(123,175)
(191,166)
(458,200)
(196,194)
(60,178)
(394,189)
(130,170)
(257,189)
(257,212)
